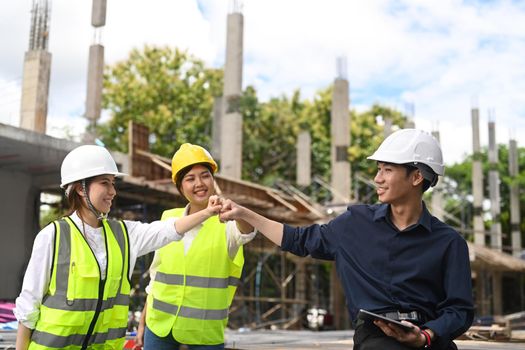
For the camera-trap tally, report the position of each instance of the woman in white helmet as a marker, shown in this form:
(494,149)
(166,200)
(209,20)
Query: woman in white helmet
(75,293)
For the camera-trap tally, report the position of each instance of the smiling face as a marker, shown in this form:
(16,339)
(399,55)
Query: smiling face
(101,192)
(394,184)
(197,186)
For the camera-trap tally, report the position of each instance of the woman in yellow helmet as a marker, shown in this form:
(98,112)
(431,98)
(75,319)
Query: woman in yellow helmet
(76,287)
(193,280)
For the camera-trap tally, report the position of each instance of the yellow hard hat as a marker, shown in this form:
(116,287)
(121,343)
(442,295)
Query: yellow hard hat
(187,155)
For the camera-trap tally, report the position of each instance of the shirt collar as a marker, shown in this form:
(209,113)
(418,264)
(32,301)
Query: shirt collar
(424,220)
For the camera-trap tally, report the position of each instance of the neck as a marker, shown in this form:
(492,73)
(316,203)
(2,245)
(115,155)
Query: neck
(88,217)
(407,214)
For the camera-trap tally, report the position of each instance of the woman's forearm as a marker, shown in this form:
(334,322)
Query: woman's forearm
(23,337)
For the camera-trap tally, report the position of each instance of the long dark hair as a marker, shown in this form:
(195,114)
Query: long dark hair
(74,200)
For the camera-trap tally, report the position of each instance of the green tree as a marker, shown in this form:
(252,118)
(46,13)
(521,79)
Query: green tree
(171,92)
(168,90)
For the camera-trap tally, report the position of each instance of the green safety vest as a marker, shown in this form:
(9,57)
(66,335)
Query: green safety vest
(191,294)
(80,310)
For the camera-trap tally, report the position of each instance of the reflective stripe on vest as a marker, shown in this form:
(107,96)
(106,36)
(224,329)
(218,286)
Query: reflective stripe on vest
(57,341)
(60,303)
(72,313)
(197,281)
(190,312)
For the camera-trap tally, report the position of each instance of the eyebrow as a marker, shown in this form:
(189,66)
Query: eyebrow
(102,178)
(204,172)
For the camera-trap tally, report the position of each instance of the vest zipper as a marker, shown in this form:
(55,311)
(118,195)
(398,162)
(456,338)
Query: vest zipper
(101,285)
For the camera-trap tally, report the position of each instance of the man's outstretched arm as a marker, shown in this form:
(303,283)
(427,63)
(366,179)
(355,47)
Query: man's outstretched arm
(273,230)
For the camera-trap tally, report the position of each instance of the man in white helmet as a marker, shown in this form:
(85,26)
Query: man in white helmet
(393,258)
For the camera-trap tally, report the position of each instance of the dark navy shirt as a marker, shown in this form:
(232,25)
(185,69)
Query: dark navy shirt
(425,267)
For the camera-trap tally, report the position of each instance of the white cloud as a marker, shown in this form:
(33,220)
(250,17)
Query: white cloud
(435,54)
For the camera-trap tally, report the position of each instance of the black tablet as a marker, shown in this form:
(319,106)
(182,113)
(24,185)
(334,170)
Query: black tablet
(370,316)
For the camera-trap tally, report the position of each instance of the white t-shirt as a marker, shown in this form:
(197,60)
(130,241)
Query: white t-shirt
(143,238)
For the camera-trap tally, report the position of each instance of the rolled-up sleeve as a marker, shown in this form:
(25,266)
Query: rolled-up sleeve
(235,238)
(456,311)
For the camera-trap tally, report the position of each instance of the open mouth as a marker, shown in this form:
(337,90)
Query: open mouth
(201,193)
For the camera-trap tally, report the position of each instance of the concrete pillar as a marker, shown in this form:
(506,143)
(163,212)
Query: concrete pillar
(216,128)
(514,198)
(338,301)
(340,132)
(497,296)
(484,281)
(495,230)
(477,181)
(94,82)
(231,124)
(300,286)
(98,13)
(304,156)
(95,71)
(35,90)
(438,209)
(387,129)
(410,124)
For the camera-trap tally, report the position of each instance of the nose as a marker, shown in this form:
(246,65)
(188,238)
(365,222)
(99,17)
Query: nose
(198,181)
(112,190)
(379,177)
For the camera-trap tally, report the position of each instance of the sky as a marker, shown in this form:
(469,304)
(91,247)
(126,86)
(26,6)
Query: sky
(440,56)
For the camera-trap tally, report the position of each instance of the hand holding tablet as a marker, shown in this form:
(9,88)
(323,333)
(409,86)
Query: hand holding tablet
(370,316)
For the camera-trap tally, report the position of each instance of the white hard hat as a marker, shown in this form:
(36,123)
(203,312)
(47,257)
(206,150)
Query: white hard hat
(87,161)
(411,146)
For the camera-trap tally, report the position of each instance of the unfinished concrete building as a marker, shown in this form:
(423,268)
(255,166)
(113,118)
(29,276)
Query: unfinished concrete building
(276,287)
(37,70)
(497,276)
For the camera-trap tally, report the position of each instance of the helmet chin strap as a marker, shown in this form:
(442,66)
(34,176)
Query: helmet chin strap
(99,215)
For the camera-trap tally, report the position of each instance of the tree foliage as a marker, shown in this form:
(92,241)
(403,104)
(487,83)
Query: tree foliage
(169,91)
